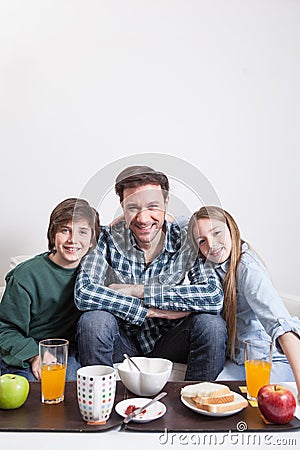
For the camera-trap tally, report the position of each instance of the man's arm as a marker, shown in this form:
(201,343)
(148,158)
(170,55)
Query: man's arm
(204,295)
(154,313)
(91,292)
(136,290)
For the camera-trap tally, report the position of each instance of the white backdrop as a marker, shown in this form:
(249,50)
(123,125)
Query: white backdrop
(214,83)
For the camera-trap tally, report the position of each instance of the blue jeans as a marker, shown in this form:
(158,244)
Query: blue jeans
(198,341)
(72,367)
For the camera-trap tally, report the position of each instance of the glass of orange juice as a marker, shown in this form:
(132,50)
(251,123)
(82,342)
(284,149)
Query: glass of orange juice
(258,364)
(53,362)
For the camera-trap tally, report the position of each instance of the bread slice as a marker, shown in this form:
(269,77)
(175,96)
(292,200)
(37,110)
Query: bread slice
(226,398)
(238,403)
(205,389)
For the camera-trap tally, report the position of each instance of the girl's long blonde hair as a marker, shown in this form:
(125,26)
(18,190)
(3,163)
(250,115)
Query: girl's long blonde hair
(229,282)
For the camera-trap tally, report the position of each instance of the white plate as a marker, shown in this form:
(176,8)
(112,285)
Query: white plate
(153,412)
(190,404)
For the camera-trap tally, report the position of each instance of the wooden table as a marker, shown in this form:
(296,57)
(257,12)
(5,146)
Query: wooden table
(34,416)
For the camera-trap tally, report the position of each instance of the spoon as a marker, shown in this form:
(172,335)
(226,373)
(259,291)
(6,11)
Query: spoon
(132,362)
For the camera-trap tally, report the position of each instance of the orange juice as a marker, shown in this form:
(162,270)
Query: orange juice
(257,375)
(53,378)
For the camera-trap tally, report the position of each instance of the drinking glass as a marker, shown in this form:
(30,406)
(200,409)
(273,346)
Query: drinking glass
(53,362)
(258,364)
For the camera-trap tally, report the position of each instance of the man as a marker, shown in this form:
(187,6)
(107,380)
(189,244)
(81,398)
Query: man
(38,300)
(131,287)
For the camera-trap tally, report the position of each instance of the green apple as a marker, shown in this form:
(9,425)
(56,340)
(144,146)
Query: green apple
(14,391)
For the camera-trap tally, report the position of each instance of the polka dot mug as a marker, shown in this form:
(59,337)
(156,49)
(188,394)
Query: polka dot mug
(96,388)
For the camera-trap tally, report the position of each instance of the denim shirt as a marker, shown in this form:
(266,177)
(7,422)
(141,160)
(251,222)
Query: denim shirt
(261,312)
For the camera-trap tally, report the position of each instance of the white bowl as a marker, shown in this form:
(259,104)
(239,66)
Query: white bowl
(154,374)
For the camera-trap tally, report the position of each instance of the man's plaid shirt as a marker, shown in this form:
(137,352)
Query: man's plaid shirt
(117,259)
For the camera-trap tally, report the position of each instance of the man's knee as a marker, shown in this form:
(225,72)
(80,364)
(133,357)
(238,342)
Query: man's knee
(211,325)
(96,333)
(96,320)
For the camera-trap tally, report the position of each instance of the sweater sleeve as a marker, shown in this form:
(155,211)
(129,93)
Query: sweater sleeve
(15,345)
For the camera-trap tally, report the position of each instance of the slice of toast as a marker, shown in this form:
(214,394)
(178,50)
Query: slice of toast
(237,403)
(204,390)
(226,398)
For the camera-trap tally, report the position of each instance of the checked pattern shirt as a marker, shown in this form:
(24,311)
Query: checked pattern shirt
(117,259)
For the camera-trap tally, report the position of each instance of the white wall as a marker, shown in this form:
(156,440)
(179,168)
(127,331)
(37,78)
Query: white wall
(214,83)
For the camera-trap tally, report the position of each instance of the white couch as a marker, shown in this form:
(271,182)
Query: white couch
(292,303)
(14,261)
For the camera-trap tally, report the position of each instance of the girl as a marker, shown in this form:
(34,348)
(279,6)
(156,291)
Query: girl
(252,307)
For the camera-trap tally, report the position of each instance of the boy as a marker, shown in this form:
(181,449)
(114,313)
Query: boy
(38,299)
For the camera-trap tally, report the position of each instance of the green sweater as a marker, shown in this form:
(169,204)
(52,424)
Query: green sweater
(37,304)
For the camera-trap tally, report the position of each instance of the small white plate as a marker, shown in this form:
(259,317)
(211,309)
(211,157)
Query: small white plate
(191,405)
(153,412)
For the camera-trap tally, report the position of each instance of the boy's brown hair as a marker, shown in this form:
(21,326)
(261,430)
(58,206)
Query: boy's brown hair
(72,209)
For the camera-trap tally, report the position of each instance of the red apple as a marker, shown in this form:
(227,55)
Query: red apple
(276,403)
